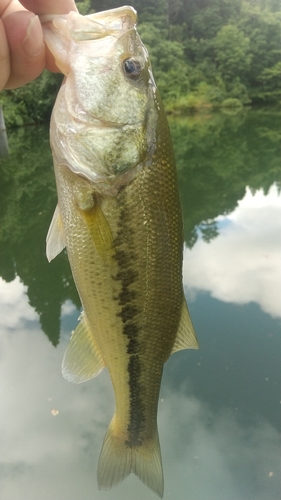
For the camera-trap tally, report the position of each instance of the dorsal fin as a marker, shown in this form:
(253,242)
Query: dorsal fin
(82,360)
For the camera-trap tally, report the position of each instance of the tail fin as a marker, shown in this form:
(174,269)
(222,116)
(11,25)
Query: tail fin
(117,460)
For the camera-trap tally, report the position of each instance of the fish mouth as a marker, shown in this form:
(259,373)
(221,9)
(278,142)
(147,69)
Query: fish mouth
(123,18)
(114,22)
(61,30)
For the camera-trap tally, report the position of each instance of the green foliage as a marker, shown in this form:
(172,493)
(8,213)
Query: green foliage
(84,7)
(231,52)
(32,103)
(169,66)
(203,52)
(270,79)
(146,8)
(231,102)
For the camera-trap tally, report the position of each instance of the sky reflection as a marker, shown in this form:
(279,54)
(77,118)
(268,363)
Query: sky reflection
(52,431)
(242,264)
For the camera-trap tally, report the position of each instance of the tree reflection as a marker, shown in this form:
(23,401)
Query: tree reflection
(28,198)
(217,157)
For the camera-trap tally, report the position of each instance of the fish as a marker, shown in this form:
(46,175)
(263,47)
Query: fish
(119,218)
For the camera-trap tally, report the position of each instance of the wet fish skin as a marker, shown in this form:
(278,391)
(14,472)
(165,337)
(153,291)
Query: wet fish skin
(119,217)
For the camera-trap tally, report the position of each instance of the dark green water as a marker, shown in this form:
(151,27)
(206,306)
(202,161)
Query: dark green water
(219,412)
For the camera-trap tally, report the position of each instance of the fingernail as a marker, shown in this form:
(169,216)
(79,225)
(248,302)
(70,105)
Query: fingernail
(33,42)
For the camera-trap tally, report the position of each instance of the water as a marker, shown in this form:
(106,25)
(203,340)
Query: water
(219,410)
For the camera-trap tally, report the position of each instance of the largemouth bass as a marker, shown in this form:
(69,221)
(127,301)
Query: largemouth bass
(119,217)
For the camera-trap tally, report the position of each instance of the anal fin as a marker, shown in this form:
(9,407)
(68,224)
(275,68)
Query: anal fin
(186,337)
(82,360)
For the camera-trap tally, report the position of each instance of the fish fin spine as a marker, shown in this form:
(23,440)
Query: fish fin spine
(55,240)
(82,360)
(118,459)
(186,336)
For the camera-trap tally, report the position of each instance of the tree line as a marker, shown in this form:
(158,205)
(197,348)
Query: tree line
(204,53)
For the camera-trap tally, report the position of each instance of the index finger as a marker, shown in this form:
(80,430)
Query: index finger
(22,51)
(49,6)
(41,7)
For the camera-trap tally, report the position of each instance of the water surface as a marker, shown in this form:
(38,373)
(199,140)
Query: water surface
(219,410)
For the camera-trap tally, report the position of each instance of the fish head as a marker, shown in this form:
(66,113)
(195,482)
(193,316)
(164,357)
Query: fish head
(108,96)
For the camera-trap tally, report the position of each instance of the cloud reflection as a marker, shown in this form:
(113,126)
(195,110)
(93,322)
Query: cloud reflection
(46,454)
(243,263)
(12,294)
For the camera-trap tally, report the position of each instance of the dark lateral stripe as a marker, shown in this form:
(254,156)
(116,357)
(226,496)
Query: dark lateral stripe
(137,409)
(128,312)
(127,299)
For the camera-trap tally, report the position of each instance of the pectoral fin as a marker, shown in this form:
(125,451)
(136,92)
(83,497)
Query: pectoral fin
(82,360)
(99,229)
(186,337)
(55,238)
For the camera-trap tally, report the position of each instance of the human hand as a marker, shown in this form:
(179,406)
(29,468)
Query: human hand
(23,54)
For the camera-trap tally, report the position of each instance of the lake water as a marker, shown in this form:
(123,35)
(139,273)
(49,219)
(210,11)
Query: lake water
(219,409)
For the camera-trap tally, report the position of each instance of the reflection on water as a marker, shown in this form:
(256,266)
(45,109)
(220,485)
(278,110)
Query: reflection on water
(219,407)
(243,262)
(27,201)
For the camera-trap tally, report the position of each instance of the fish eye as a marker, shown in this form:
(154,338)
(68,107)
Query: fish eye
(132,68)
